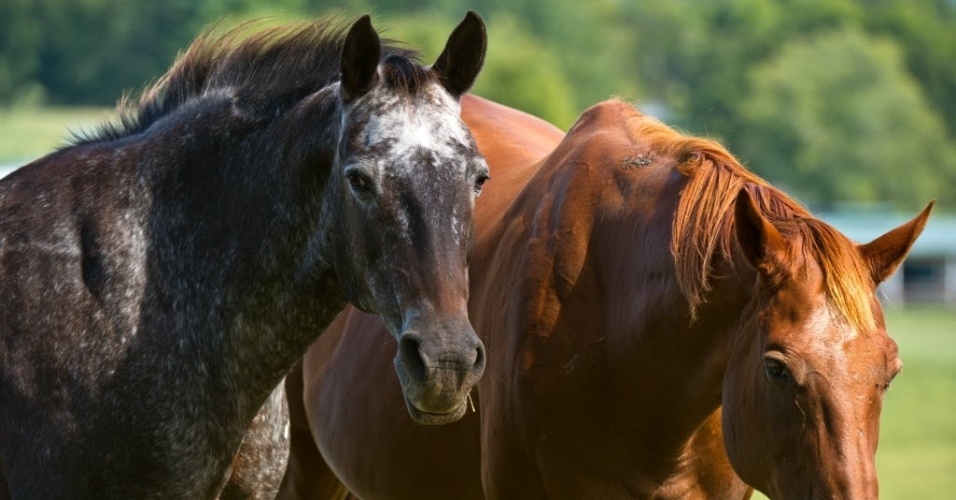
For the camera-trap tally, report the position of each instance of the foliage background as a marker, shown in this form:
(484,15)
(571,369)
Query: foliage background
(836,100)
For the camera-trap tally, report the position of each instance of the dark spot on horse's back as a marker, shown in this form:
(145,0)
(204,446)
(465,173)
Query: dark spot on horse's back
(91,261)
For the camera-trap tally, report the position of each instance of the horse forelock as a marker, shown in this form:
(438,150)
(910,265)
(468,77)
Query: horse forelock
(401,71)
(273,68)
(703,228)
(846,276)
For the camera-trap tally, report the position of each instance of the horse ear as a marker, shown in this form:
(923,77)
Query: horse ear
(360,57)
(459,64)
(887,252)
(762,244)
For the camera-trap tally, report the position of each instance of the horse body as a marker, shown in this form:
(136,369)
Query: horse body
(579,357)
(660,323)
(160,278)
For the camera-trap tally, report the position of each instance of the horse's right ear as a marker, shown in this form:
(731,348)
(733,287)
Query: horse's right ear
(762,244)
(458,65)
(360,56)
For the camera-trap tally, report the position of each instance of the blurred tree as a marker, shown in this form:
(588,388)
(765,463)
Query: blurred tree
(519,70)
(836,117)
(19,59)
(696,55)
(583,40)
(523,72)
(926,29)
(700,60)
(92,49)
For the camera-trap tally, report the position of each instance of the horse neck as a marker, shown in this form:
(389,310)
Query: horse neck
(233,225)
(663,357)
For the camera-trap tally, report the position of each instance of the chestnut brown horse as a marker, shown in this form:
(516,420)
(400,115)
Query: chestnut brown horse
(659,322)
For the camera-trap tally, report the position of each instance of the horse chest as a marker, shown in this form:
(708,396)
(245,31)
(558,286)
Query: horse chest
(106,416)
(104,455)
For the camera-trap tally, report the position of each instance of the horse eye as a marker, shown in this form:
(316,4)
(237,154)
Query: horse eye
(777,371)
(357,181)
(892,377)
(480,181)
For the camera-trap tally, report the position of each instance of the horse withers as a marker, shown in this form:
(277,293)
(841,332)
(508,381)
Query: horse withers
(660,323)
(159,277)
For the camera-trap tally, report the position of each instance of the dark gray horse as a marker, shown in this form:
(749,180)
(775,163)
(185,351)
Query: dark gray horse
(158,278)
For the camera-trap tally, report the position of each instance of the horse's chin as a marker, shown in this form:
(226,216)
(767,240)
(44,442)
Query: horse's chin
(430,418)
(434,414)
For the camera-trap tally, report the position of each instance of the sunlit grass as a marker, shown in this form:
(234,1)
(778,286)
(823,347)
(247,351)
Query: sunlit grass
(917,454)
(28,133)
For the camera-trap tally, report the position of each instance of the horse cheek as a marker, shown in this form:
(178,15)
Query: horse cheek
(742,407)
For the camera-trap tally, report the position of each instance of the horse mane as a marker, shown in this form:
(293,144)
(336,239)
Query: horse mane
(703,227)
(270,70)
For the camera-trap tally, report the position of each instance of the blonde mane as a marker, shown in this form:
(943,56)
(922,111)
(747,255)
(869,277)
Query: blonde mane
(703,223)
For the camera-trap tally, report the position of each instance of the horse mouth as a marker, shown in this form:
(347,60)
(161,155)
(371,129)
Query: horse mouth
(432,418)
(421,396)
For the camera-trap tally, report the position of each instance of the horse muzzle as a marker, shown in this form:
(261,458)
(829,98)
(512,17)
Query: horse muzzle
(437,371)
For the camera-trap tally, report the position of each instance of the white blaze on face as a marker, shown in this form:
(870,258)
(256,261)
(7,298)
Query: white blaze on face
(428,124)
(418,142)
(411,126)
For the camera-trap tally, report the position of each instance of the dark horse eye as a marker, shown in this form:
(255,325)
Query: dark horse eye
(480,181)
(357,181)
(776,370)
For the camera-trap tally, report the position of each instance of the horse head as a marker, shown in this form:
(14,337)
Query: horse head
(812,359)
(400,205)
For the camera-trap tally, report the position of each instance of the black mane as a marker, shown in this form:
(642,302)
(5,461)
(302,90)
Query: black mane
(271,70)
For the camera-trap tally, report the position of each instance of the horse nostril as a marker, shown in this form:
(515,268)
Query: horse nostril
(479,365)
(409,348)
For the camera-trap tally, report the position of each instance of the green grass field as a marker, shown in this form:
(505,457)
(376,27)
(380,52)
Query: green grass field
(917,455)
(28,133)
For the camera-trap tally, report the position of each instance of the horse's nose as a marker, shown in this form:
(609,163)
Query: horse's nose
(438,366)
(424,356)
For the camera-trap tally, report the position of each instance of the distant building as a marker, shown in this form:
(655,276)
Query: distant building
(928,276)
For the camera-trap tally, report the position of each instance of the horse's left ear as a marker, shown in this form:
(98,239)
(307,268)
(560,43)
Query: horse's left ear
(761,243)
(360,56)
(887,252)
(459,64)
